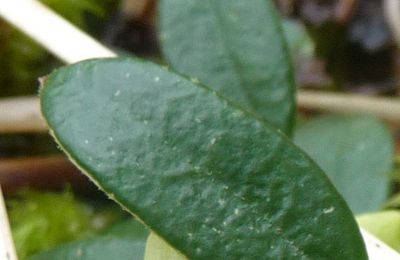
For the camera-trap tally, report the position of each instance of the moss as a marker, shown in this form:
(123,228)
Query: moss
(42,220)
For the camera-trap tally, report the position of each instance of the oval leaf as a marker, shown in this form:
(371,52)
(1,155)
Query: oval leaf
(211,180)
(235,47)
(357,154)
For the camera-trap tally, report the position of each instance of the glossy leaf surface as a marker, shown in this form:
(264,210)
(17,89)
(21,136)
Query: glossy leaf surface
(208,178)
(235,47)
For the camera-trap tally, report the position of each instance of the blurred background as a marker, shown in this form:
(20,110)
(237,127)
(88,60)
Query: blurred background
(337,46)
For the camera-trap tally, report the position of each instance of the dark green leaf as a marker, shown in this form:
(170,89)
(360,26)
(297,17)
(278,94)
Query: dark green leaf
(235,47)
(357,154)
(211,180)
(96,249)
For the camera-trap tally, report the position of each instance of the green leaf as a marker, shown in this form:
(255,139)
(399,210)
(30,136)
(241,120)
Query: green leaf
(158,249)
(299,42)
(384,225)
(357,154)
(127,236)
(210,179)
(235,47)
(96,249)
(128,229)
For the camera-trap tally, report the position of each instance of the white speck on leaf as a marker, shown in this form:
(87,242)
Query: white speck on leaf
(127,75)
(239,114)
(157,79)
(213,140)
(216,230)
(86,141)
(111,138)
(329,210)
(117,93)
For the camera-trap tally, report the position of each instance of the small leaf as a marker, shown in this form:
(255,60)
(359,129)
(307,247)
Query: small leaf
(158,249)
(208,178)
(385,225)
(128,236)
(357,154)
(96,249)
(128,229)
(235,47)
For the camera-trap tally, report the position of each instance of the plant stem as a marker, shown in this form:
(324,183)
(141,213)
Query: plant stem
(53,32)
(385,108)
(22,115)
(392,14)
(7,249)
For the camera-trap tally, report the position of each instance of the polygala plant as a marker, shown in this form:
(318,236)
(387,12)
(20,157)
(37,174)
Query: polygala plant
(195,152)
